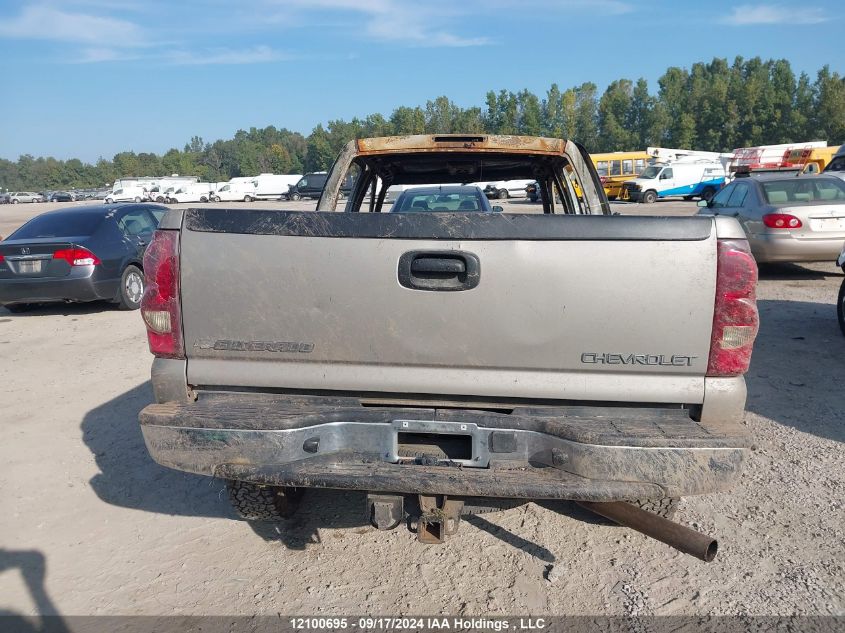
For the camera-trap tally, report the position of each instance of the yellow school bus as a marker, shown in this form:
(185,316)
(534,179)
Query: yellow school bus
(614,168)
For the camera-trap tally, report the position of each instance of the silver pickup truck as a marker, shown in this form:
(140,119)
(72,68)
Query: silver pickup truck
(442,355)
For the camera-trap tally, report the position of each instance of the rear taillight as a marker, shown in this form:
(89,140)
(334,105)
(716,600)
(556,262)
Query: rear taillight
(735,318)
(781,221)
(77,256)
(160,304)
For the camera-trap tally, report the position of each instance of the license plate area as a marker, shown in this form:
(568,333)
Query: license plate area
(29,267)
(432,443)
(827,224)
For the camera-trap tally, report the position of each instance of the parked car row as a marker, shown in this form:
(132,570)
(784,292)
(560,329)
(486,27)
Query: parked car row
(17,197)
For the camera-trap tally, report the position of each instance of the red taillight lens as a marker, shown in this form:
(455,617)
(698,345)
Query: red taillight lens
(735,318)
(160,304)
(781,221)
(77,256)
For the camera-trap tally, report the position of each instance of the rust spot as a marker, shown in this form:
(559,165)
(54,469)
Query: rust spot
(460,142)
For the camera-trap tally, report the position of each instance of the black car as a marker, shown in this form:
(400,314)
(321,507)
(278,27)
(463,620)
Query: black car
(312,185)
(60,196)
(78,254)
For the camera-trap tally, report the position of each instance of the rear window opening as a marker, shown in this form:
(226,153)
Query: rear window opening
(59,225)
(435,446)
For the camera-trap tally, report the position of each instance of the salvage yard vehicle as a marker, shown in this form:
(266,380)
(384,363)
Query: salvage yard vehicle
(25,196)
(125,194)
(78,254)
(504,189)
(836,167)
(614,168)
(786,218)
(677,179)
(443,199)
(432,359)
(194,192)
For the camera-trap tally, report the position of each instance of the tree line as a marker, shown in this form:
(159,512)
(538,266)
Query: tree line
(715,106)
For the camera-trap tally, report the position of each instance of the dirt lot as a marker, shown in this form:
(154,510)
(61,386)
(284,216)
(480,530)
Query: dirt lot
(118,534)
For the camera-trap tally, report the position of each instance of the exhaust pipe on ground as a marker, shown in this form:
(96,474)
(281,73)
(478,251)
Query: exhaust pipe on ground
(673,534)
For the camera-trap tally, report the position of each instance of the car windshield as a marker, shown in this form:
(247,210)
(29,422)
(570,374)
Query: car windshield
(797,191)
(650,172)
(58,225)
(414,201)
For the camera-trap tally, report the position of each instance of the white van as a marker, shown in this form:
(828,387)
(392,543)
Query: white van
(196,192)
(126,194)
(235,192)
(836,166)
(682,179)
(274,186)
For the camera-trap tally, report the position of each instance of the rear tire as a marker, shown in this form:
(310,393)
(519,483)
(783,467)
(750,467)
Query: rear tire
(137,199)
(254,502)
(502,194)
(203,199)
(840,307)
(131,288)
(666,507)
(294,196)
(708,194)
(109,201)
(649,197)
(247,198)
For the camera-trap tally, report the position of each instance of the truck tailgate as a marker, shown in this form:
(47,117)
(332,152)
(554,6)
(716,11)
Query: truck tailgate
(583,308)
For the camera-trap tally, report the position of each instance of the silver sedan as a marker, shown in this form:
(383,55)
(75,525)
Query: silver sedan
(786,218)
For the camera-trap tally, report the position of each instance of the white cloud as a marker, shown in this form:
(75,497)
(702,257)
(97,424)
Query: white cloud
(747,15)
(45,22)
(255,55)
(422,24)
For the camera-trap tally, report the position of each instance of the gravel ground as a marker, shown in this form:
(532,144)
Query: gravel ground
(114,533)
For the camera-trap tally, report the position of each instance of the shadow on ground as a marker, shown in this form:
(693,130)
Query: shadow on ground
(798,368)
(63,309)
(129,478)
(32,566)
(796,272)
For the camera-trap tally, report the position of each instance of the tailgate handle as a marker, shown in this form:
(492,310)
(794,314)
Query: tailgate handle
(442,265)
(439,270)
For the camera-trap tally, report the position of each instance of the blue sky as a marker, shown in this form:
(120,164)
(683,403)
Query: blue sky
(89,78)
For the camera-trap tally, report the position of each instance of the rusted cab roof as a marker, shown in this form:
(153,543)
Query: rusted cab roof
(460,143)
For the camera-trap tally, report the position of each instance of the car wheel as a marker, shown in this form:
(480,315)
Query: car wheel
(131,288)
(294,196)
(687,198)
(247,198)
(109,201)
(666,507)
(840,307)
(137,199)
(203,199)
(340,195)
(15,201)
(708,194)
(502,194)
(650,197)
(216,198)
(18,308)
(254,502)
